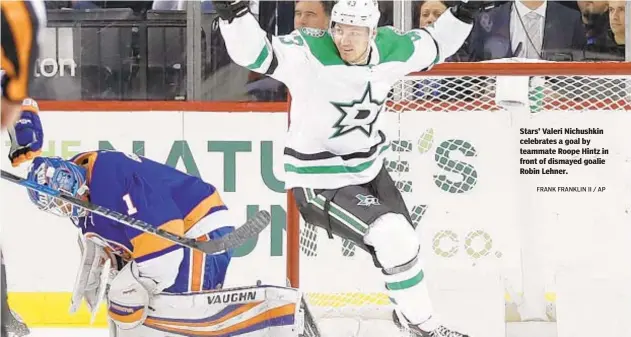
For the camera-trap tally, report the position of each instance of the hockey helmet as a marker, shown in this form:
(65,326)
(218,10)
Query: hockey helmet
(364,13)
(62,176)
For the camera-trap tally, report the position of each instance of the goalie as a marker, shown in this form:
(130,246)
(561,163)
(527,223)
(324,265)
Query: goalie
(155,288)
(335,149)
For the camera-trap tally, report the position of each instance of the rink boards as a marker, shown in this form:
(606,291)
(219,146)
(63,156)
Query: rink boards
(460,170)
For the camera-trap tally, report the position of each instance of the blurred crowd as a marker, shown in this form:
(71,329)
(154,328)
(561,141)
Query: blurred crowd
(125,50)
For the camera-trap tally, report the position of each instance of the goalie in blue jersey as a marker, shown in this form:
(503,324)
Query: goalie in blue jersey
(149,272)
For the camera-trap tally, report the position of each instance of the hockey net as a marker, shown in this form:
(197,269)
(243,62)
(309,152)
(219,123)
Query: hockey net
(340,280)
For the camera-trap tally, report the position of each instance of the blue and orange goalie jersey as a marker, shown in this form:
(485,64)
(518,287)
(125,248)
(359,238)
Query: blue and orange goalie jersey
(166,198)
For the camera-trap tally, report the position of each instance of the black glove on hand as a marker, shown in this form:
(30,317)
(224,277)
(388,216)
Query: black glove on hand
(467,11)
(228,10)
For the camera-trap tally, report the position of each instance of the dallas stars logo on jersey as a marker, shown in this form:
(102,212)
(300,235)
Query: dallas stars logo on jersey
(358,115)
(367,200)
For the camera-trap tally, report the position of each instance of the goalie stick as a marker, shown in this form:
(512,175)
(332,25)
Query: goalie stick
(239,236)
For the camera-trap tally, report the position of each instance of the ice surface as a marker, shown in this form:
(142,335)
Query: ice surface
(68,332)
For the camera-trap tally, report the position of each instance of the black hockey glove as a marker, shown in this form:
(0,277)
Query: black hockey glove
(466,11)
(228,10)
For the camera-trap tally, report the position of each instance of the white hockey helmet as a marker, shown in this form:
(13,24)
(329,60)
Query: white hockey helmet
(364,13)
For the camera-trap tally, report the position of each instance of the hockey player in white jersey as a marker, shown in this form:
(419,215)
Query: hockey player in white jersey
(334,154)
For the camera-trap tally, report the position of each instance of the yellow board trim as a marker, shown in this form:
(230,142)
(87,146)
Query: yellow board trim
(50,309)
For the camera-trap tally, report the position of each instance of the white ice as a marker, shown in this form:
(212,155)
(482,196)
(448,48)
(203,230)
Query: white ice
(66,332)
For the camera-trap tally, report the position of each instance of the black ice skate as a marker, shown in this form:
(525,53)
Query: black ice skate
(415,331)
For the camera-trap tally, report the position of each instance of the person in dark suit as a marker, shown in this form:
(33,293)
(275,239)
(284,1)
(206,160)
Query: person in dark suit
(529,29)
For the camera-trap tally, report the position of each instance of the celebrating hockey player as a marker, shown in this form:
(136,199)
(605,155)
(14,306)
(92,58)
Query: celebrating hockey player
(334,154)
(27,137)
(156,287)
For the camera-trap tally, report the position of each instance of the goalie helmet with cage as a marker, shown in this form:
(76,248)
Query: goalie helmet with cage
(353,26)
(62,176)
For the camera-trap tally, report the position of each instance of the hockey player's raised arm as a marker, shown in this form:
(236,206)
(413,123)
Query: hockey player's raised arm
(251,47)
(432,45)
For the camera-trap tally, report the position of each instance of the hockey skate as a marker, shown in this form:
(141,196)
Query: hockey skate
(415,331)
(14,326)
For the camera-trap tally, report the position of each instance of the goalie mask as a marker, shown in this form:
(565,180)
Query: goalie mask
(353,27)
(62,176)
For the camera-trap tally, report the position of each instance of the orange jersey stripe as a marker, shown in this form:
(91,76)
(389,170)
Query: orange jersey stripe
(147,243)
(202,209)
(87,160)
(197,267)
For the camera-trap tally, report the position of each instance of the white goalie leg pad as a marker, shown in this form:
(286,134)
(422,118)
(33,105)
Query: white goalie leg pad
(396,246)
(249,311)
(128,298)
(93,276)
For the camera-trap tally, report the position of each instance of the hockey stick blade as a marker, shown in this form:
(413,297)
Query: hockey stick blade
(251,228)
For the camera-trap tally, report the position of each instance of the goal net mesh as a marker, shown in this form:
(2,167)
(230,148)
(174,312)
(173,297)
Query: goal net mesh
(339,279)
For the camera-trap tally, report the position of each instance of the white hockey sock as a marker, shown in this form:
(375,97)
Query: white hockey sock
(408,291)
(396,247)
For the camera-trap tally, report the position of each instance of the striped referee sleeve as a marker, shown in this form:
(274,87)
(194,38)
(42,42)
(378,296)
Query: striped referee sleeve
(21,23)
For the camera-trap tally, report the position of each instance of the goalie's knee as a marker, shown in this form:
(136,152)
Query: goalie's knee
(394,241)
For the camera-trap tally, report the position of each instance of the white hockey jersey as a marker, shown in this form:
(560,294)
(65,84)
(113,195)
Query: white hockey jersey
(337,134)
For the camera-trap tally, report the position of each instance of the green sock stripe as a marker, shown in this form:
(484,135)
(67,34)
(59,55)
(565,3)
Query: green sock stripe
(409,283)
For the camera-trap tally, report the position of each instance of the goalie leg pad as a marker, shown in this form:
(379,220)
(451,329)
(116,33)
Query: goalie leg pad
(128,299)
(253,311)
(396,247)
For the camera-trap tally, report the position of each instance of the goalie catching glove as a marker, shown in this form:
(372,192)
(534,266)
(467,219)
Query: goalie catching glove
(129,297)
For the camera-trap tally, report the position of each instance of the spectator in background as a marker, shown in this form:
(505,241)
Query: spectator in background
(595,18)
(313,14)
(530,29)
(429,11)
(617,17)
(386,7)
(592,6)
(611,44)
